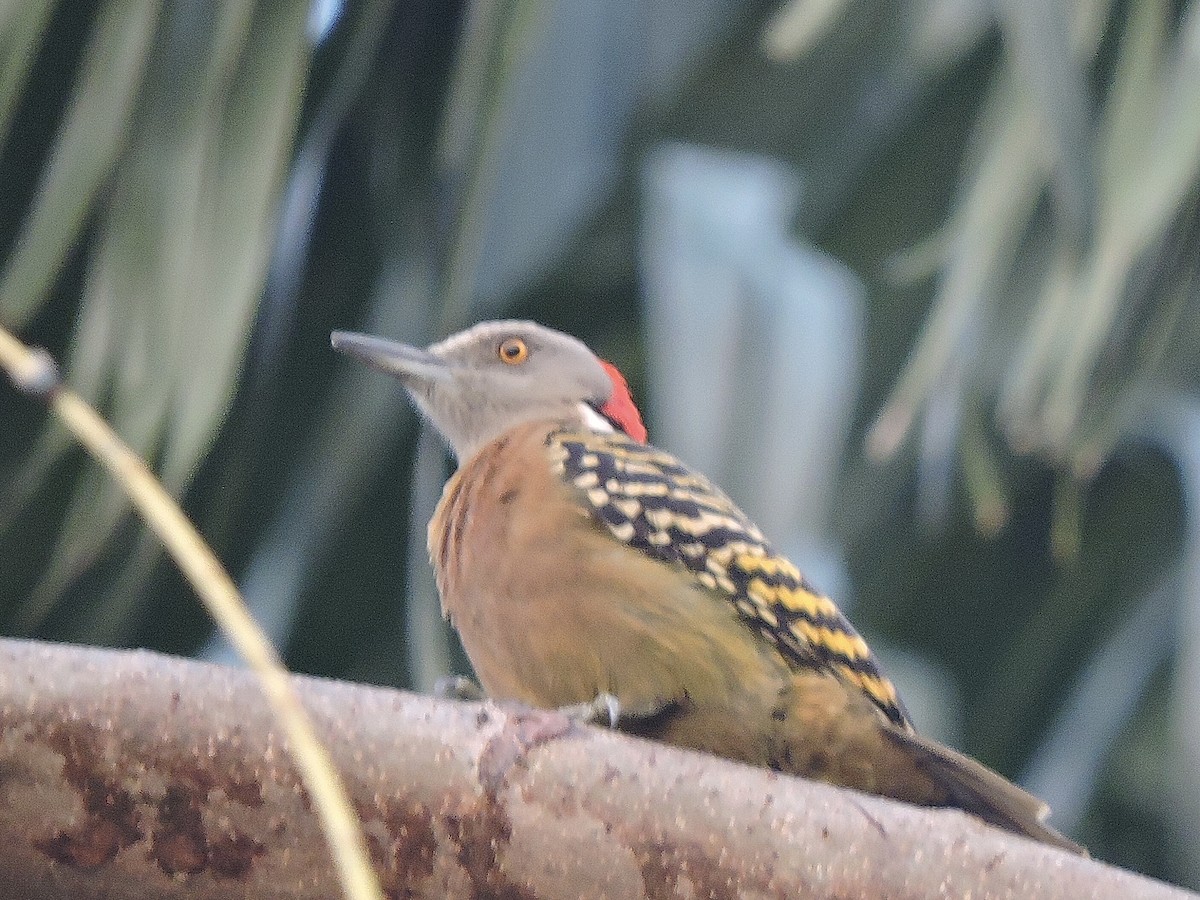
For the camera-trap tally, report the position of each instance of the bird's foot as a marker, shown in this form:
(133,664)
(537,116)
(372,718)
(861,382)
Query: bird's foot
(457,687)
(603,709)
(607,710)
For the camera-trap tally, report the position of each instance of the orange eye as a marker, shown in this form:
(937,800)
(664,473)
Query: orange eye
(514,351)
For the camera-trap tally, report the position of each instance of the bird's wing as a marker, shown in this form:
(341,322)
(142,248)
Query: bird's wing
(652,502)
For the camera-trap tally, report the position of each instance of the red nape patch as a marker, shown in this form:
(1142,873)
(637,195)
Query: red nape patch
(620,408)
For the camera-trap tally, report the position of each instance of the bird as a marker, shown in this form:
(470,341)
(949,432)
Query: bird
(584,568)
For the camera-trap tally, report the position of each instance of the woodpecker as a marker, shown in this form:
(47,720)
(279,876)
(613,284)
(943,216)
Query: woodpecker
(581,565)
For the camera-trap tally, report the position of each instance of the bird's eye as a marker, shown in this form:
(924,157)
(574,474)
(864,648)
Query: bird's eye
(514,351)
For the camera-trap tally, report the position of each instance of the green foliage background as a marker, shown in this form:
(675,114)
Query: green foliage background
(192,195)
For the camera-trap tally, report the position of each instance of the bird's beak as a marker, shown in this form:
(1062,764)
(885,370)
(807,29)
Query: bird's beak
(409,364)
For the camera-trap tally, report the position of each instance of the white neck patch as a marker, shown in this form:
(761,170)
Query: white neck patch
(594,420)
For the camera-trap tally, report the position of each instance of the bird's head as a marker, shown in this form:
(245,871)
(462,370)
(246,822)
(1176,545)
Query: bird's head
(477,384)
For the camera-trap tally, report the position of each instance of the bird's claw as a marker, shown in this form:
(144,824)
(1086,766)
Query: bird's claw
(457,687)
(603,709)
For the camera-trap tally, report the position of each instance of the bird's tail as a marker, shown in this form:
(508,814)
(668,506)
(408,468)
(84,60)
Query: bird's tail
(975,788)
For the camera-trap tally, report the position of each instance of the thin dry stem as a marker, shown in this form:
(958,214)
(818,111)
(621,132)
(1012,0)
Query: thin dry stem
(33,371)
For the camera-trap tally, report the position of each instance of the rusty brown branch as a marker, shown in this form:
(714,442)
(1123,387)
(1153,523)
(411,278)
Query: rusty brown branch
(128,774)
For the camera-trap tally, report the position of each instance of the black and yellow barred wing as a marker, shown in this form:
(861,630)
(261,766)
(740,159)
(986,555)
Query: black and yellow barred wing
(652,502)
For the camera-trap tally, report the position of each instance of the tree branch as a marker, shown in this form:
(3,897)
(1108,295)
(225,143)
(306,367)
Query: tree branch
(129,774)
